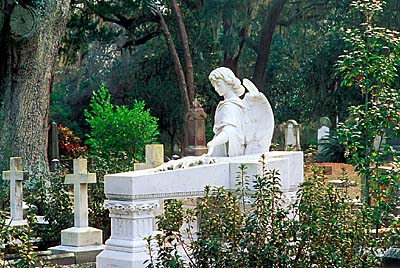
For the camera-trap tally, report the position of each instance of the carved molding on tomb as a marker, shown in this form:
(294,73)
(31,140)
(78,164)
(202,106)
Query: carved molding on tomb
(125,207)
(160,196)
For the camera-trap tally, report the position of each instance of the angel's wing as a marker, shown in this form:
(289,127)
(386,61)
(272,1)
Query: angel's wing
(259,120)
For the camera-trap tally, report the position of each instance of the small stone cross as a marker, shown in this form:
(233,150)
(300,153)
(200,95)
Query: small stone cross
(154,157)
(16,176)
(80,179)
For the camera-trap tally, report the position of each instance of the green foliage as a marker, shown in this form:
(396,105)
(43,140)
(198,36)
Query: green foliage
(51,200)
(19,241)
(25,247)
(98,214)
(319,229)
(332,149)
(60,111)
(300,79)
(116,129)
(117,139)
(369,66)
(4,194)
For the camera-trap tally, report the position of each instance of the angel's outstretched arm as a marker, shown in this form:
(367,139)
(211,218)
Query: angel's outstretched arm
(219,139)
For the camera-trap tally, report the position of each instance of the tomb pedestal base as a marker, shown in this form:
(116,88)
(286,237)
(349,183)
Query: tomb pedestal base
(16,223)
(84,242)
(81,236)
(82,254)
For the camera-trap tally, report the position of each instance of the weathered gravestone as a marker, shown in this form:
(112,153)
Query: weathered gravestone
(154,157)
(84,241)
(15,175)
(323,132)
(196,134)
(292,135)
(53,150)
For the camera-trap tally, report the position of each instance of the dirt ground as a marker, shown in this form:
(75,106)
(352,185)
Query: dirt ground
(337,171)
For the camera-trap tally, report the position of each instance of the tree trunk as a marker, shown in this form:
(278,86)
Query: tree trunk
(177,64)
(25,83)
(186,52)
(181,78)
(231,60)
(265,42)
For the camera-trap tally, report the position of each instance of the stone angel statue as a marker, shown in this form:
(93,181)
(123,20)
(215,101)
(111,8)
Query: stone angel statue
(241,126)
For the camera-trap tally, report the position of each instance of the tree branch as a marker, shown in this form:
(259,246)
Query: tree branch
(142,40)
(265,42)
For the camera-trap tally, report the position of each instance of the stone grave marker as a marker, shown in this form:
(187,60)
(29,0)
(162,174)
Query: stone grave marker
(323,132)
(154,157)
(196,136)
(84,241)
(15,175)
(292,135)
(53,150)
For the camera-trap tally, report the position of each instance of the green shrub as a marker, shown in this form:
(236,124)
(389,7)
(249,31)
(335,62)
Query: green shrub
(18,242)
(260,229)
(117,139)
(115,129)
(51,200)
(332,150)
(4,193)
(369,65)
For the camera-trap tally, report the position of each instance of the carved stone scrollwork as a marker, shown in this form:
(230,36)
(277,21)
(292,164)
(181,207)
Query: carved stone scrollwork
(126,207)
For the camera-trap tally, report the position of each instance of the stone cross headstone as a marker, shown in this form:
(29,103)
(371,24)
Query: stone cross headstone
(84,241)
(15,175)
(292,135)
(80,179)
(323,132)
(154,157)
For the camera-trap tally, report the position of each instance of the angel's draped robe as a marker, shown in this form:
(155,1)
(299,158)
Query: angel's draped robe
(230,113)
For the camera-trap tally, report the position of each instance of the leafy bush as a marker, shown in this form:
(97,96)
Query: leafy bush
(332,150)
(369,66)
(4,193)
(116,129)
(51,200)
(117,139)
(260,229)
(18,242)
(98,214)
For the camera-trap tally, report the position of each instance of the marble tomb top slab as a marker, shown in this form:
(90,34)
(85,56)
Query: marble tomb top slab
(190,181)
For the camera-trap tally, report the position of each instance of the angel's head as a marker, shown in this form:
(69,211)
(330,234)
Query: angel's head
(224,79)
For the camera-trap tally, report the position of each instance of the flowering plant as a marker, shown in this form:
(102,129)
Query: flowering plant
(68,144)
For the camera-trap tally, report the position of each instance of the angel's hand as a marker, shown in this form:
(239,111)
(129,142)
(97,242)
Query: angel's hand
(253,90)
